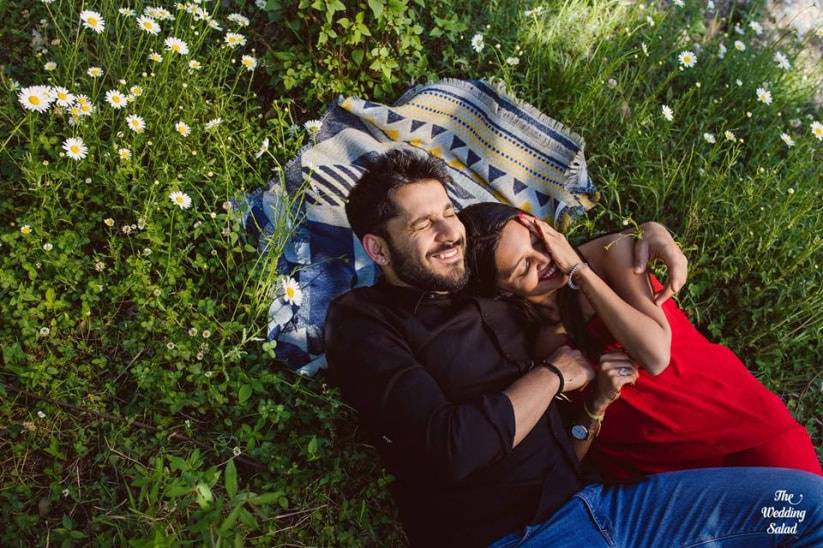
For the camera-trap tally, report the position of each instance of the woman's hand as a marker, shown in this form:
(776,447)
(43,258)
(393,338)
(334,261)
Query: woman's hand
(562,253)
(616,371)
(657,243)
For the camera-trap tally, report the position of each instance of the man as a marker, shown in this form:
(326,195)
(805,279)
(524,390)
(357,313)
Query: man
(461,412)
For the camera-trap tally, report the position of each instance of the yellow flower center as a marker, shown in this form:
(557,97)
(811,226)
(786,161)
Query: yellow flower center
(93,21)
(290,292)
(179,200)
(74,149)
(175,48)
(34,100)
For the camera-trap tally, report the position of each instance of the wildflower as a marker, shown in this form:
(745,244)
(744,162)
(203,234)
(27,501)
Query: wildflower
(147,251)
(25,230)
(137,91)
(75,148)
(817,130)
(148,24)
(513,61)
(730,136)
(161,14)
(782,61)
(722,51)
(206,333)
(180,199)
(292,293)
(213,123)
(249,62)
(95,72)
(478,42)
(116,99)
(50,66)
(787,139)
(124,153)
(738,29)
(668,114)
(155,57)
(645,48)
(739,82)
(62,96)
(170,345)
(239,20)
(236,451)
(48,246)
(41,414)
(234,39)
(264,146)
(794,122)
(739,46)
(92,20)
(612,83)
(136,123)
(313,126)
(126,12)
(687,58)
(176,45)
(182,128)
(756,27)
(36,98)
(126,229)
(709,138)
(764,96)
(192,332)
(194,64)
(260,4)
(44,332)
(710,5)
(679,3)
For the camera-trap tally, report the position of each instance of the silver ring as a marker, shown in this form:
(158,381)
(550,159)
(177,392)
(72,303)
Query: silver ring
(624,372)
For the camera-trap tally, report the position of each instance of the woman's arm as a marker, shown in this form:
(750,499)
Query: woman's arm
(626,303)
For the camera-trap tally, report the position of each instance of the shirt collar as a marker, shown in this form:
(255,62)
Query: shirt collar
(410,298)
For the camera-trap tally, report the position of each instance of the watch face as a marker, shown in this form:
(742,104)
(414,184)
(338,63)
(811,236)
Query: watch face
(580,432)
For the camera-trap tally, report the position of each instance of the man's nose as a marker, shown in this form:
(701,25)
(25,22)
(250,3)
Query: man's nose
(447,231)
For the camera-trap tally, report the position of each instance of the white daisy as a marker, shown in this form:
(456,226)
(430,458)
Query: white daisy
(95,72)
(215,25)
(148,24)
(709,138)
(194,64)
(721,52)
(313,126)
(239,20)
(50,66)
(782,61)
(756,27)
(75,148)
(739,46)
(180,199)
(116,99)
(291,292)
(738,29)
(817,130)
(176,45)
(136,123)
(62,96)
(234,39)
(478,42)
(36,98)
(213,123)
(764,96)
(48,246)
(249,62)
(730,136)
(787,139)
(687,58)
(92,20)
(137,91)
(264,146)
(668,113)
(182,128)
(513,61)
(161,14)
(25,230)
(124,153)
(126,12)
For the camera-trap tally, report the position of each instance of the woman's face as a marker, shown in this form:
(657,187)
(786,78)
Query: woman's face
(524,266)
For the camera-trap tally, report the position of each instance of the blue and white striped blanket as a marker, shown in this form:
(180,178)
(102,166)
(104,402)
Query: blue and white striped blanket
(497,149)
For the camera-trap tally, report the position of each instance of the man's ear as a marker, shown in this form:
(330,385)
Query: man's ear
(377,248)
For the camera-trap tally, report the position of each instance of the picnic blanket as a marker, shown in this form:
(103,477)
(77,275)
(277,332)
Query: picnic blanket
(496,148)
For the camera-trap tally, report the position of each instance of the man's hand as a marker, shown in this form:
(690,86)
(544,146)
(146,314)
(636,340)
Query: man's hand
(616,371)
(657,243)
(576,369)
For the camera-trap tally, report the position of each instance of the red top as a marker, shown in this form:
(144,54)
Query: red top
(704,406)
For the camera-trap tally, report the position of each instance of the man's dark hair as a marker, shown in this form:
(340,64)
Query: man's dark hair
(370,206)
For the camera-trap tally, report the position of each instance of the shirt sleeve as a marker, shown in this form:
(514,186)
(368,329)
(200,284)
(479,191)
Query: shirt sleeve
(396,397)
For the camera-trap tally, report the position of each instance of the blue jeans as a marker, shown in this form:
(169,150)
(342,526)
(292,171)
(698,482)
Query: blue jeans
(743,507)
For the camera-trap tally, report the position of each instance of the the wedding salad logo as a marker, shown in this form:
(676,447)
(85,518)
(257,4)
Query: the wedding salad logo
(785,515)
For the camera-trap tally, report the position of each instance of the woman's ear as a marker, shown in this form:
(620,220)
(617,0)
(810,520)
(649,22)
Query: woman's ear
(377,249)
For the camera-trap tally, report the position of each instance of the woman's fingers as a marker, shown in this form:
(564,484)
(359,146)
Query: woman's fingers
(611,356)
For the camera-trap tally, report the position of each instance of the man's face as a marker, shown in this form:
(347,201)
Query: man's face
(426,240)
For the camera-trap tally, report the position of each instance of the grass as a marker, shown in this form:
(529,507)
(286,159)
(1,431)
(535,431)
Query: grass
(138,401)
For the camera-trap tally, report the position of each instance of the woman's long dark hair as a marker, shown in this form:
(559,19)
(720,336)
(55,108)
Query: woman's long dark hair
(484,224)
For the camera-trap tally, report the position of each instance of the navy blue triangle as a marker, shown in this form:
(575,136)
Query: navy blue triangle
(437,130)
(518,186)
(416,124)
(392,117)
(472,158)
(456,143)
(542,198)
(495,173)
(369,104)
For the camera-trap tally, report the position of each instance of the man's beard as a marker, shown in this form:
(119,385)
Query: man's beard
(413,273)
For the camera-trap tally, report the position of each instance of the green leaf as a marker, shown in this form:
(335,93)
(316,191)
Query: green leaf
(357,55)
(377,8)
(244,393)
(231,519)
(230,479)
(204,495)
(266,498)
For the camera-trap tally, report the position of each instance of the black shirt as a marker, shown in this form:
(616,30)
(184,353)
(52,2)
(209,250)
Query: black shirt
(426,372)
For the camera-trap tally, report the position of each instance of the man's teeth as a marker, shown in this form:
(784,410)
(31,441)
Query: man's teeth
(446,254)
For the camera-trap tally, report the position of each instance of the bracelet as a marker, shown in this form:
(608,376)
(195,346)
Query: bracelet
(553,368)
(571,284)
(591,415)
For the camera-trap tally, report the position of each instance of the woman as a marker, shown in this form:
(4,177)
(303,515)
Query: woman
(692,403)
